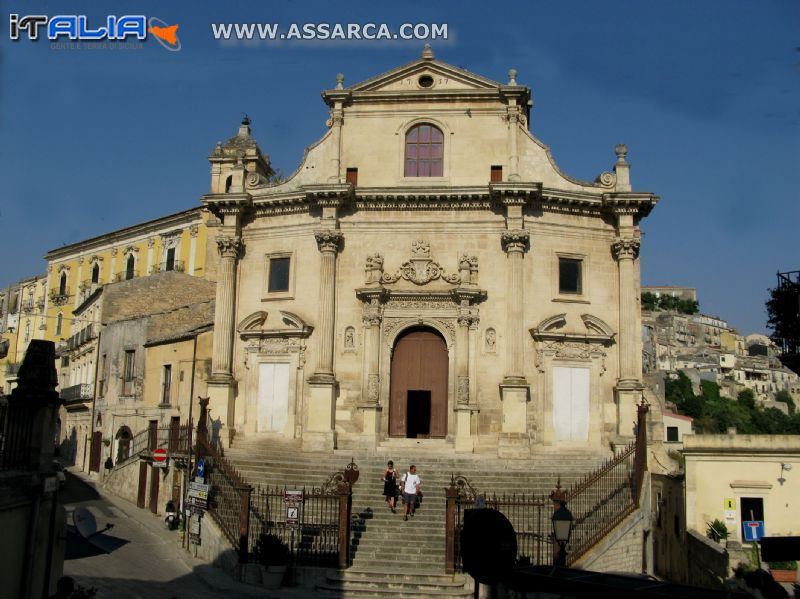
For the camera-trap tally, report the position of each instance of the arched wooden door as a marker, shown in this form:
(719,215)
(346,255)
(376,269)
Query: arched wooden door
(418,394)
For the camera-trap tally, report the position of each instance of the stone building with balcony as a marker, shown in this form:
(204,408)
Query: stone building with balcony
(166,310)
(74,272)
(426,273)
(22,318)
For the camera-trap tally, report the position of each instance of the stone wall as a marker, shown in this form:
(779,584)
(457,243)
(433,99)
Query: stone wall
(214,546)
(123,481)
(707,561)
(627,547)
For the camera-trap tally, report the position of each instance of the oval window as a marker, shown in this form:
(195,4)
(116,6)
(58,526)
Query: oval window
(426,81)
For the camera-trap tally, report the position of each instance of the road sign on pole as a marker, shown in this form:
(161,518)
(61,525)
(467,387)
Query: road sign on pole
(160,457)
(753,530)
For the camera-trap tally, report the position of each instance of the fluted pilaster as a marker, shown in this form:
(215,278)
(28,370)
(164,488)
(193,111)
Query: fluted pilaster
(515,243)
(328,243)
(230,248)
(626,249)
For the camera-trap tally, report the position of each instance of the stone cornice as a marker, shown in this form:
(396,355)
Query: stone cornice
(226,203)
(630,202)
(452,296)
(332,194)
(193,215)
(515,192)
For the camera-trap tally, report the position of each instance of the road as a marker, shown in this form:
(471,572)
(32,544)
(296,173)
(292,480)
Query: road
(136,559)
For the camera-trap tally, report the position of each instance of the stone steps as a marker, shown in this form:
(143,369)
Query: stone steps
(391,557)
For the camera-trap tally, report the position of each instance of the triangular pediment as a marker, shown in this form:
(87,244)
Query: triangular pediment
(408,78)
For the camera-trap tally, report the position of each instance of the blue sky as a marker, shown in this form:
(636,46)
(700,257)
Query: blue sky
(705,94)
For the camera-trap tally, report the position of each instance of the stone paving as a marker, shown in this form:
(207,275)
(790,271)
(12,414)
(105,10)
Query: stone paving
(138,557)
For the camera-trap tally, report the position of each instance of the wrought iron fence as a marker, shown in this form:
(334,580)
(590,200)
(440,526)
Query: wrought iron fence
(314,539)
(598,502)
(16,429)
(528,514)
(601,500)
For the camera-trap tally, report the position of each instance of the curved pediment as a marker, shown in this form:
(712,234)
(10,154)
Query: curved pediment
(555,327)
(257,326)
(596,325)
(253,322)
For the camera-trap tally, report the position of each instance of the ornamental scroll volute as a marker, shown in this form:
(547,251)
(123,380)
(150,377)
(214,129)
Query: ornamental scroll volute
(421,268)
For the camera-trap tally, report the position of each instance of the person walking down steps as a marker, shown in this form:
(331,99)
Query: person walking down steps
(390,485)
(411,483)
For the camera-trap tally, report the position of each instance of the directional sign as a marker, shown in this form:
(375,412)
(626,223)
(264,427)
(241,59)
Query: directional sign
(201,468)
(160,457)
(198,495)
(753,530)
(292,517)
(293,497)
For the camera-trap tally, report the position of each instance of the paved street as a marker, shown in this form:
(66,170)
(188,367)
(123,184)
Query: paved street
(138,557)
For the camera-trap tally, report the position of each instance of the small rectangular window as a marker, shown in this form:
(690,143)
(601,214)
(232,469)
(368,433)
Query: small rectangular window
(170,263)
(496,175)
(352,176)
(129,371)
(278,274)
(167,384)
(569,275)
(672,434)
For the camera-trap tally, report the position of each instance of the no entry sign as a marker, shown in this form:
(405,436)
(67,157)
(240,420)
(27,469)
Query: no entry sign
(160,457)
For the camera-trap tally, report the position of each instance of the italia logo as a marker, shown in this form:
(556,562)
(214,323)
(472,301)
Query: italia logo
(78,28)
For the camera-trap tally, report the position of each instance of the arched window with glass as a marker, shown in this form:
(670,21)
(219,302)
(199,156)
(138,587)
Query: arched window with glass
(62,284)
(96,273)
(424,155)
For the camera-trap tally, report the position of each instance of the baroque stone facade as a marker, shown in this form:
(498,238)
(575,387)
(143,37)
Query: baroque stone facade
(426,272)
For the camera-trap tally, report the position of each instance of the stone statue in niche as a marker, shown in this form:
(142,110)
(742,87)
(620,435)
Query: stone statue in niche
(349,338)
(491,340)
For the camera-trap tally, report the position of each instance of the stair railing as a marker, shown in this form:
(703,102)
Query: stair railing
(599,502)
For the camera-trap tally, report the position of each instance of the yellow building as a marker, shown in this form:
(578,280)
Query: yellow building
(175,242)
(70,312)
(22,318)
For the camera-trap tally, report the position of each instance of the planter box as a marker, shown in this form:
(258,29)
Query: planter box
(272,576)
(784,575)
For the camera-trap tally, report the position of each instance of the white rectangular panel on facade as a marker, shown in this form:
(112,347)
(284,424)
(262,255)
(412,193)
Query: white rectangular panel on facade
(571,403)
(273,397)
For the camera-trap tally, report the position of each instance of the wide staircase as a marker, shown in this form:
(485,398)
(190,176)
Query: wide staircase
(390,556)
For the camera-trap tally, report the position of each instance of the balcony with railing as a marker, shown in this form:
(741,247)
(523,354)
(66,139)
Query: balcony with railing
(58,298)
(76,393)
(83,336)
(124,275)
(176,265)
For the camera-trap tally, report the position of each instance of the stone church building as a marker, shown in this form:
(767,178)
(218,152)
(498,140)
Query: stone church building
(427,272)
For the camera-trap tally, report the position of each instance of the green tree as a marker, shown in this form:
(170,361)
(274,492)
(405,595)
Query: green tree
(649,301)
(783,314)
(747,398)
(785,397)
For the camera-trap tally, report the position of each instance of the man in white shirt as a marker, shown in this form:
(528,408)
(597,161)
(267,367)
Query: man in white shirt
(411,484)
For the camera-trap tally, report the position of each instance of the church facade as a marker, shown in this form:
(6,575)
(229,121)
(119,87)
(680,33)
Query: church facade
(427,272)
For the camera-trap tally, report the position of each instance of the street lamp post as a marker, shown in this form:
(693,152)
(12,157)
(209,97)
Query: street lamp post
(562,529)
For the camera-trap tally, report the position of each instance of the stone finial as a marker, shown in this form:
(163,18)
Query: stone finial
(339,80)
(244,128)
(621,151)
(427,52)
(512,76)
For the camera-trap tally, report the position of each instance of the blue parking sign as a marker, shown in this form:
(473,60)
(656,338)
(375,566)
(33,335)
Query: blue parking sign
(753,530)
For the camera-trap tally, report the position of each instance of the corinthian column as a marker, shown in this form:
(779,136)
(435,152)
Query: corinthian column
(626,249)
(515,243)
(328,243)
(230,248)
